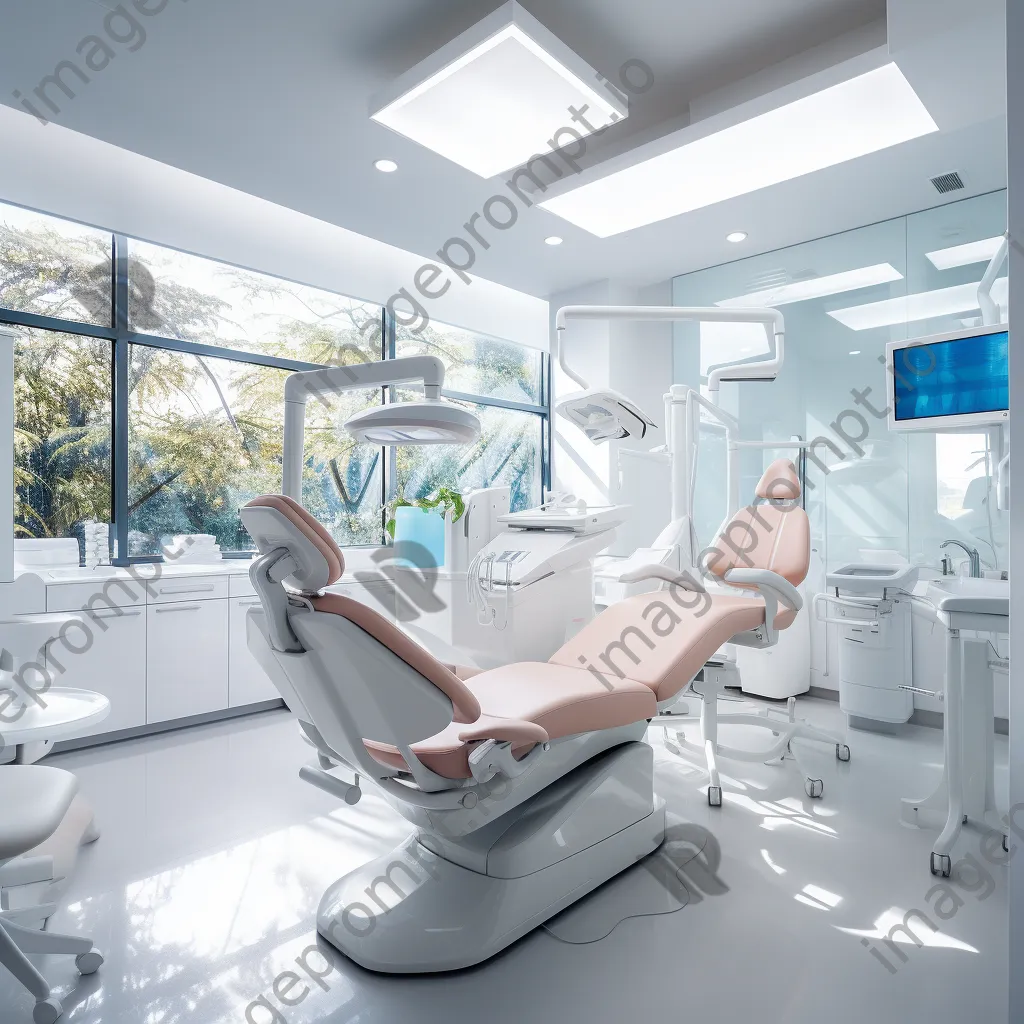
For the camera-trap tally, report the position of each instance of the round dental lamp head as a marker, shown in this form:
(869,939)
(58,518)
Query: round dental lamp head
(415,423)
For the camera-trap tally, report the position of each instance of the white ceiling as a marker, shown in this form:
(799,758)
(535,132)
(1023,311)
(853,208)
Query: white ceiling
(272,98)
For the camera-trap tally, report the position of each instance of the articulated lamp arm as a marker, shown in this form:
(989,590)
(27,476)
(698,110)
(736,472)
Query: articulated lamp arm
(332,380)
(773,321)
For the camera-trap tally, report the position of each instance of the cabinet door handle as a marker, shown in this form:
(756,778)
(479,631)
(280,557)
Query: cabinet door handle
(188,590)
(114,613)
(178,608)
(250,603)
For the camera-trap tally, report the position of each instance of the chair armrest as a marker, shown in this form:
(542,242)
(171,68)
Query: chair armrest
(505,730)
(683,579)
(765,579)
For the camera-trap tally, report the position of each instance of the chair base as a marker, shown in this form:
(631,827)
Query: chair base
(415,911)
(784,731)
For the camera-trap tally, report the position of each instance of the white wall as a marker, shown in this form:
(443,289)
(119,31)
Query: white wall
(55,170)
(1015,120)
(636,360)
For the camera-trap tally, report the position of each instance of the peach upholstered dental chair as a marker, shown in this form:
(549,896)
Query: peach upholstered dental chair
(530,784)
(765,550)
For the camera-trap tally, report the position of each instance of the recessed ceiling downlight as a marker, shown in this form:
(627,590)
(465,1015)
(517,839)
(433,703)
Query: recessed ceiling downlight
(736,236)
(386,166)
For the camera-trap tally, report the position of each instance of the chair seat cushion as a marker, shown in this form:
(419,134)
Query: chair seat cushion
(563,700)
(663,639)
(33,802)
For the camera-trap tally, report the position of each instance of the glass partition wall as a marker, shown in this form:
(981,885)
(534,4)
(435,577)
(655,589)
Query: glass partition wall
(870,493)
(149,388)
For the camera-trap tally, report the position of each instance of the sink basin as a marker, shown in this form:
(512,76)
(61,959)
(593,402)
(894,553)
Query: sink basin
(979,597)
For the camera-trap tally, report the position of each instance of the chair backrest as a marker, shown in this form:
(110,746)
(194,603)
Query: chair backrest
(346,671)
(771,534)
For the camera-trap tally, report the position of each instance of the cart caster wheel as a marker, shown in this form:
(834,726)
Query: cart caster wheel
(715,796)
(814,788)
(89,963)
(842,752)
(1006,844)
(47,1012)
(941,864)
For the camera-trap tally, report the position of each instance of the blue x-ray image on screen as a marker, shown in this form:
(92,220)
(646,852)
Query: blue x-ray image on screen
(952,378)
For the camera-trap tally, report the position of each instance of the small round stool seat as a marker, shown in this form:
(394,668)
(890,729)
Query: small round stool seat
(33,802)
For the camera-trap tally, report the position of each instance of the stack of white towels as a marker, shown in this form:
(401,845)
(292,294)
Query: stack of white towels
(193,547)
(97,543)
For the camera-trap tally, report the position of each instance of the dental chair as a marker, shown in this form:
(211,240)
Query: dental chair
(529,785)
(765,548)
(33,802)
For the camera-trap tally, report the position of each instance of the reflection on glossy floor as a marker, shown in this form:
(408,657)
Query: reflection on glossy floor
(203,888)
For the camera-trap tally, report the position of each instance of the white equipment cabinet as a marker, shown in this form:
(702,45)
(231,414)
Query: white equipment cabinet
(871,606)
(187,648)
(114,663)
(247,682)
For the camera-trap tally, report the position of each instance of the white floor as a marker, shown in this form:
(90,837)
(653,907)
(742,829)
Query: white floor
(203,888)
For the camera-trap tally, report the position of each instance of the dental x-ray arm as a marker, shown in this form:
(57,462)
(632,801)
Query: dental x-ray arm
(332,380)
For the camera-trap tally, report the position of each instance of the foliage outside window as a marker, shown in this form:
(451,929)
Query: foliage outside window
(207,349)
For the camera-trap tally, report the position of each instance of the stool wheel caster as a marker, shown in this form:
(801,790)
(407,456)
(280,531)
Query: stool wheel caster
(814,788)
(47,1012)
(941,864)
(715,796)
(89,963)
(842,752)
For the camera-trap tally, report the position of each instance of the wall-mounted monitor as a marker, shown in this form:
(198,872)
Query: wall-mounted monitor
(953,381)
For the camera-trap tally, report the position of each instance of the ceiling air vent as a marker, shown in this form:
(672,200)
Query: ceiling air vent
(951,182)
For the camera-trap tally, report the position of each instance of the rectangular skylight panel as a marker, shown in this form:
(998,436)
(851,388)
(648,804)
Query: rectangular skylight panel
(503,100)
(965,255)
(961,298)
(817,288)
(866,114)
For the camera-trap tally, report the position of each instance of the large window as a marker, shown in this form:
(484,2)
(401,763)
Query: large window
(150,383)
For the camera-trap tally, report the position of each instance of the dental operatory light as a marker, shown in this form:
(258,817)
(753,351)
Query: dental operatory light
(605,415)
(431,421)
(691,169)
(386,166)
(965,255)
(736,237)
(498,94)
(414,423)
(816,287)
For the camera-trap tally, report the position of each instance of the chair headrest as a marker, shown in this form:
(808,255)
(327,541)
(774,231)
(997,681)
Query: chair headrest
(780,482)
(277,521)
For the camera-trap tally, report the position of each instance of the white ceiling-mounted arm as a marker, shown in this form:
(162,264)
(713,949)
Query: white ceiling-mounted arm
(989,309)
(332,380)
(773,321)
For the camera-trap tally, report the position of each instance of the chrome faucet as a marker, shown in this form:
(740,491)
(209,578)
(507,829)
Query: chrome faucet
(972,554)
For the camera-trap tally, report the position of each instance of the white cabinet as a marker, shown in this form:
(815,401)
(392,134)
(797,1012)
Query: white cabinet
(186,659)
(109,659)
(248,683)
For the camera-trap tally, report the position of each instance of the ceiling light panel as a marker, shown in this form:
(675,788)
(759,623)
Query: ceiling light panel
(500,93)
(965,255)
(863,115)
(817,287)
(920,306)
